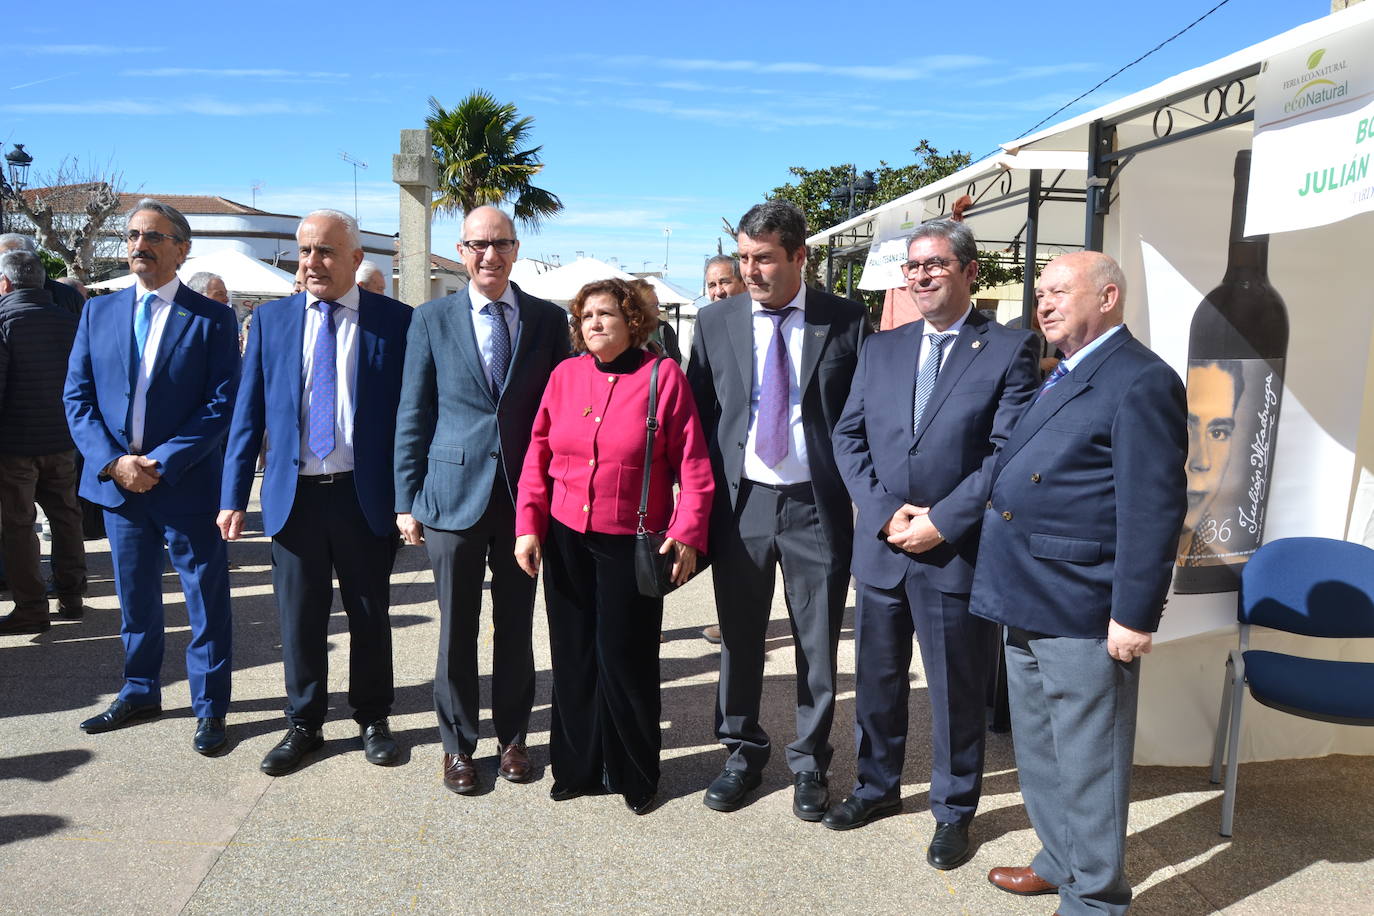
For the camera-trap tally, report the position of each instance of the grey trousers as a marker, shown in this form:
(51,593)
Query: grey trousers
(777,527)
(1073,711)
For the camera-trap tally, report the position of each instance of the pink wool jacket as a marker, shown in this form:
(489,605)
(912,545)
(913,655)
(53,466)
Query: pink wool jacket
(585,461)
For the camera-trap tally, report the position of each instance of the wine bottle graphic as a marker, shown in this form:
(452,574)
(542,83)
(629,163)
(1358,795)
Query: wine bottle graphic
(1236,351)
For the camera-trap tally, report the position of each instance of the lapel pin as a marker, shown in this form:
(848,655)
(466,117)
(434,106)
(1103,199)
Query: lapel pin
(586,411)
(976,344)
(181,314)
(818,332)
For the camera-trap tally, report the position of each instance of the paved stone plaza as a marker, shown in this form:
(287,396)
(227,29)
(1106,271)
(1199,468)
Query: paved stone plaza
(135,822)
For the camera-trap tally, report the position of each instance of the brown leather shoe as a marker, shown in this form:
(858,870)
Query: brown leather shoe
(711,634)
(515,763)
(459,774)
(1022,881)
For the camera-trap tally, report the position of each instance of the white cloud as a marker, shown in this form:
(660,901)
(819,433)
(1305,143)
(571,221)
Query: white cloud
(203,105)
(310,76)
(84,50)
(919,68)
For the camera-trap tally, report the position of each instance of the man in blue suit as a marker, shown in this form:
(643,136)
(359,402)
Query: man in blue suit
(322,374)
(475,370)
(150,388)
(931,403)
(1077,550)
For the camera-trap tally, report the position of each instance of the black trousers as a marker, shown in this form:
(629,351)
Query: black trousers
(327,534)
(604,636)
(49,481)
(776,527)
(459,560)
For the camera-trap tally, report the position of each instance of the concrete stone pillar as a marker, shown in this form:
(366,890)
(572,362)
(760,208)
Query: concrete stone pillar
(413,169)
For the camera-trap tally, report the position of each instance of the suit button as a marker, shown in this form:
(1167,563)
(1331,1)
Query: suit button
(597,419)
(296,462)
(611,379)
(591,462)
(734,486)
(586,508)
(1035,478)
(1006,516)
(494,454)
(989,505)
(740,444)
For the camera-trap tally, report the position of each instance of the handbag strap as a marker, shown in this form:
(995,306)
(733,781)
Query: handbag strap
(650,426)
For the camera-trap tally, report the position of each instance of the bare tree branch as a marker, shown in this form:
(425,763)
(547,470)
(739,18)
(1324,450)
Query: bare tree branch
(68,210)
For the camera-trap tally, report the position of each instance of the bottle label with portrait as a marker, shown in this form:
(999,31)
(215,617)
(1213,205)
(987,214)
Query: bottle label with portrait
(1233,412)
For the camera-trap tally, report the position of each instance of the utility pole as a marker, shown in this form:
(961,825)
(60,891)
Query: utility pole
(357,164)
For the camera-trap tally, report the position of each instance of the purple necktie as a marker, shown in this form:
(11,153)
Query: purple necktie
(1060,370)
(771,441)
(323,384)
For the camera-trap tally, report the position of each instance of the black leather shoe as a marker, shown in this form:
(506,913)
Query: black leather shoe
(14,625)
(855,812)
(949,848)
(74,611)
(730,788)
(378,745)
(291,750)
(561,792)
(119,714)
(640,802)
(810,796)
(210,735)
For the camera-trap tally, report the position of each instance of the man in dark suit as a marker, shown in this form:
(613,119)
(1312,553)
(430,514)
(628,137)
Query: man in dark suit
(37,457)
(770,371)
(475,370)
(1075,558)
(322,377)
(932,401)
(150,388)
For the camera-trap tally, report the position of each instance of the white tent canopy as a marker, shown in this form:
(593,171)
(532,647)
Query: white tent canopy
(242,274)
(562,283)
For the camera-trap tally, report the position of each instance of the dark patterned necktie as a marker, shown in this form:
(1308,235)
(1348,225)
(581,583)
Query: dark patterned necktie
(1053,378)
(500,345)
(927,376)
(324,382)
(771,441)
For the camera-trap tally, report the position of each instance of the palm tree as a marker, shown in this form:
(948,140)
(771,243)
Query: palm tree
(477,147)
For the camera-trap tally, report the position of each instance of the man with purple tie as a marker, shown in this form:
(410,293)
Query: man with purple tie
(322,378)
(770,371)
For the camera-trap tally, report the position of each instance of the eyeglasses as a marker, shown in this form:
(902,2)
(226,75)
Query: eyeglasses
(934,267)
(152,238)
(480,246)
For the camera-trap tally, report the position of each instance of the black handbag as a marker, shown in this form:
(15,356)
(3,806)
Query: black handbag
(653,570)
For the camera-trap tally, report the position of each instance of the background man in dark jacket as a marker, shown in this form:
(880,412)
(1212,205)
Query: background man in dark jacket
(37,456)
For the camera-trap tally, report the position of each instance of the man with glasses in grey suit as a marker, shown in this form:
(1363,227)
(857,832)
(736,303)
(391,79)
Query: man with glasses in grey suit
(476,365)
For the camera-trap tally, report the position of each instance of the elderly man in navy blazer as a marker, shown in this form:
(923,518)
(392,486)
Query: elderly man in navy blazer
(932,401)
(322,375)
(1077,550)
(150,388)
(475,370)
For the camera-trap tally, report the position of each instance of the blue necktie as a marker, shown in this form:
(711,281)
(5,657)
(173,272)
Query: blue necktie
(500,345)
(324,382)
(929,372)
(143,320)
(1061,370)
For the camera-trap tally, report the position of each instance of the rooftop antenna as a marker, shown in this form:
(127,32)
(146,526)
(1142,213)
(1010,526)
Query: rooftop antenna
(357,164)
(257,186)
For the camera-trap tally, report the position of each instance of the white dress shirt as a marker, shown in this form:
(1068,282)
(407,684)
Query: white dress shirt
(482,324)
(1072,362)
(793,468)
(948,348)
(162,307)
(346,365)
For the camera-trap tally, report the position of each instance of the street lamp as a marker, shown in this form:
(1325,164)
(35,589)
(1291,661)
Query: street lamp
(667,238)
(847,195)
(19,162)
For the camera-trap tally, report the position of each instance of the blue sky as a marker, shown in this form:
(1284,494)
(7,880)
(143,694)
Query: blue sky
(649,117)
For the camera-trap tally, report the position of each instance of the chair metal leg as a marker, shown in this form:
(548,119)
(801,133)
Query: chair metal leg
(1228,795)
(1223,721)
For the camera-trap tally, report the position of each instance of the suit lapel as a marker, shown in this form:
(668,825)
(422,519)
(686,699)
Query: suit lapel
(815,334)
(963,350)
(293,340)
(367,348)
(466,338)
(122,315)
(520,348)
(178,320)
(1078,381)
(739,324)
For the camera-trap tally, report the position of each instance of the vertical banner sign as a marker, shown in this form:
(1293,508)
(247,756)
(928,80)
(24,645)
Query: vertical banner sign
(1314,135)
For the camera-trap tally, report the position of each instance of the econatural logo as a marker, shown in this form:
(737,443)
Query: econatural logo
(1317,85)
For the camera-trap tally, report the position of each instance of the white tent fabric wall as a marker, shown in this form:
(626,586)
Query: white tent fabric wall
(243,275)
(562,283)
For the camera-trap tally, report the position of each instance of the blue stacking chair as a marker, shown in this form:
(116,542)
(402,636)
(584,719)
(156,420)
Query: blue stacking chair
(1312,587)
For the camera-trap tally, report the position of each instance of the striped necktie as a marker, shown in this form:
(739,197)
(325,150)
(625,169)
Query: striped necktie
(930,372)
(1061,370)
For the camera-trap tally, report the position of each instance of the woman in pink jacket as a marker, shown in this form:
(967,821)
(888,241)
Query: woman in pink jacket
(577,511)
